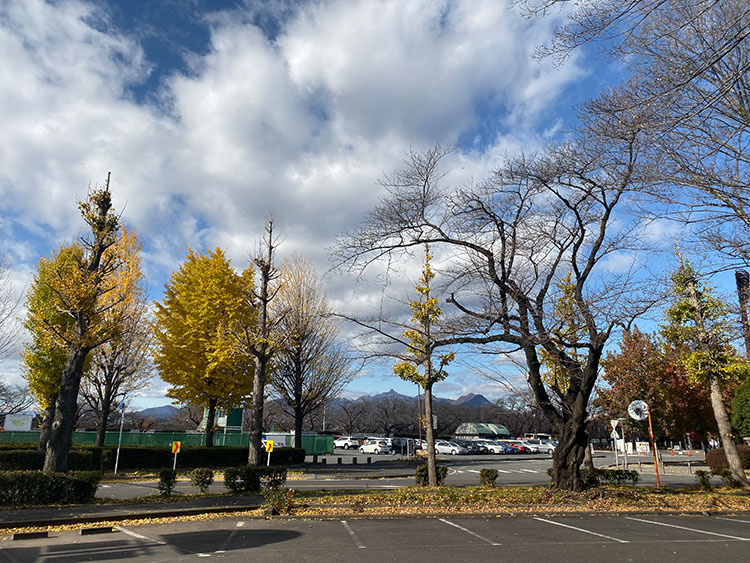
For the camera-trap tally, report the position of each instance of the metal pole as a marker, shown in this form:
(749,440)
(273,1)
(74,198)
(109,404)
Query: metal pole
(653,445)
(119,440)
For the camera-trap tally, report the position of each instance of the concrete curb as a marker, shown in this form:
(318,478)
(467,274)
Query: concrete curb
(115,517)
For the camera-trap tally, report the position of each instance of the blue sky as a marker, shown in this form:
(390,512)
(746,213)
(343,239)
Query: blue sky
(213,113)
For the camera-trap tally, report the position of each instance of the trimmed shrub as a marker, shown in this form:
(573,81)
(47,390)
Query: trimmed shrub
(487,477)
(704,479)
(20,460)
(250,477)
(592,477)
(202,478)
(422,476)
(167,480)
(272,477)
(35,487)
(717,459)
(279,502)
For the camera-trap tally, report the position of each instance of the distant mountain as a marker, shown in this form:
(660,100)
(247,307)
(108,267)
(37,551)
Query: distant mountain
(470,400)
(473,400)
(162,412)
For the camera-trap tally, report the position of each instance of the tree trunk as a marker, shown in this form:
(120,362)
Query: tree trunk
(588,460)
(430,437)
(256,413)
(568,456)
(61,432)
(103,419)
(298,419)
(210,423)
(44,430)
(725,431)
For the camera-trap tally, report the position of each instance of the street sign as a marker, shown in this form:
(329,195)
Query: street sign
(614,423)
(638,410)
(269,446)
(175,447)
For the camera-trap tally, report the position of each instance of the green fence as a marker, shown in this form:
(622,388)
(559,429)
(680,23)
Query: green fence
(310,443)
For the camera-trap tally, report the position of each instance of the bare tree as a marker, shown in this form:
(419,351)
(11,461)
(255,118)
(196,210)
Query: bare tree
(189,416)
(512,237)
(14,398)
(312,366)
(350,417)
(257,340)
(687,92)
(9,303)
(119,368)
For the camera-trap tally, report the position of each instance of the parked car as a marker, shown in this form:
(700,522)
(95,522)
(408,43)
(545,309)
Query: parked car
(445,447)
(345,442)
(538,446)
(472,448)
(375,447)
(495,447)
(518,445)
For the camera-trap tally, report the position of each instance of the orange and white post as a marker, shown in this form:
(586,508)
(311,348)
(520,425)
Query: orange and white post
(269,449)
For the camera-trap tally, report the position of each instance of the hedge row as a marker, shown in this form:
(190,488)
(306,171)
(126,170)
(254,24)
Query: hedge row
(250,478)
(717,459)
(35,487)
(132,458)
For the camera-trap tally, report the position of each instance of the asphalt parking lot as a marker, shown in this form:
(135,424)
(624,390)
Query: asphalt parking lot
(434,540)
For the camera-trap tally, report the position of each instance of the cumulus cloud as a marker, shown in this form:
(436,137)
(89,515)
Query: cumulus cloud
(300,122)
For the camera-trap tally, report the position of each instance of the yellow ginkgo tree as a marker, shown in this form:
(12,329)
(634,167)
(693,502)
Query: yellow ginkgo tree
(65,313)
(424,367)
(120,366)
(196,322)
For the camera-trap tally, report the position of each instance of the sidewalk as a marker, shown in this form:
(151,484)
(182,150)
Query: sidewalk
(60,515)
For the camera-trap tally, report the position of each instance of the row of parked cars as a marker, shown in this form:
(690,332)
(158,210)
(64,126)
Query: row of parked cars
(453,447)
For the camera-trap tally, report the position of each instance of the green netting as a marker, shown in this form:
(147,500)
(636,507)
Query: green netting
(312,444)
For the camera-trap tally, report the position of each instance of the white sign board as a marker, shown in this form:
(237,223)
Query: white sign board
(18,422)
(642,447)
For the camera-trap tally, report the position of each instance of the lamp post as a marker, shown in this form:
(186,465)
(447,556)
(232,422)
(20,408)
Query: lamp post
(119,440)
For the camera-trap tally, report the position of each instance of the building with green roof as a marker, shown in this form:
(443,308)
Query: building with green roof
(476,430)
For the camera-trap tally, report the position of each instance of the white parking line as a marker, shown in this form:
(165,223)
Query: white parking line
(529,470)
(225,543)
(138,536)
(686,528)
(354,537)
(468,531)
(581,530)
(732,519)
(502,471)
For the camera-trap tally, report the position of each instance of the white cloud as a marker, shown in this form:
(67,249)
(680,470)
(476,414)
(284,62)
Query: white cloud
(302,125)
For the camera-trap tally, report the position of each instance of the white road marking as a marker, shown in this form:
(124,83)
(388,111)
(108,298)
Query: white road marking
(581,530)
(351,533)
(468,531)
(732,519)
(686,528)
(472,470)
(528,470)
(225,543)
(502,471)
(138,536)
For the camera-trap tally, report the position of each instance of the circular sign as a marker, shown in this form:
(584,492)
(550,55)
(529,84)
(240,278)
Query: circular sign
(638,410)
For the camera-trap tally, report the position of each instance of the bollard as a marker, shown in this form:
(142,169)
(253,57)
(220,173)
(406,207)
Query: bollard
(369,460)
(315,458)
(690,468)
(323,461)
(640,466)
(339,461)
(354,461)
